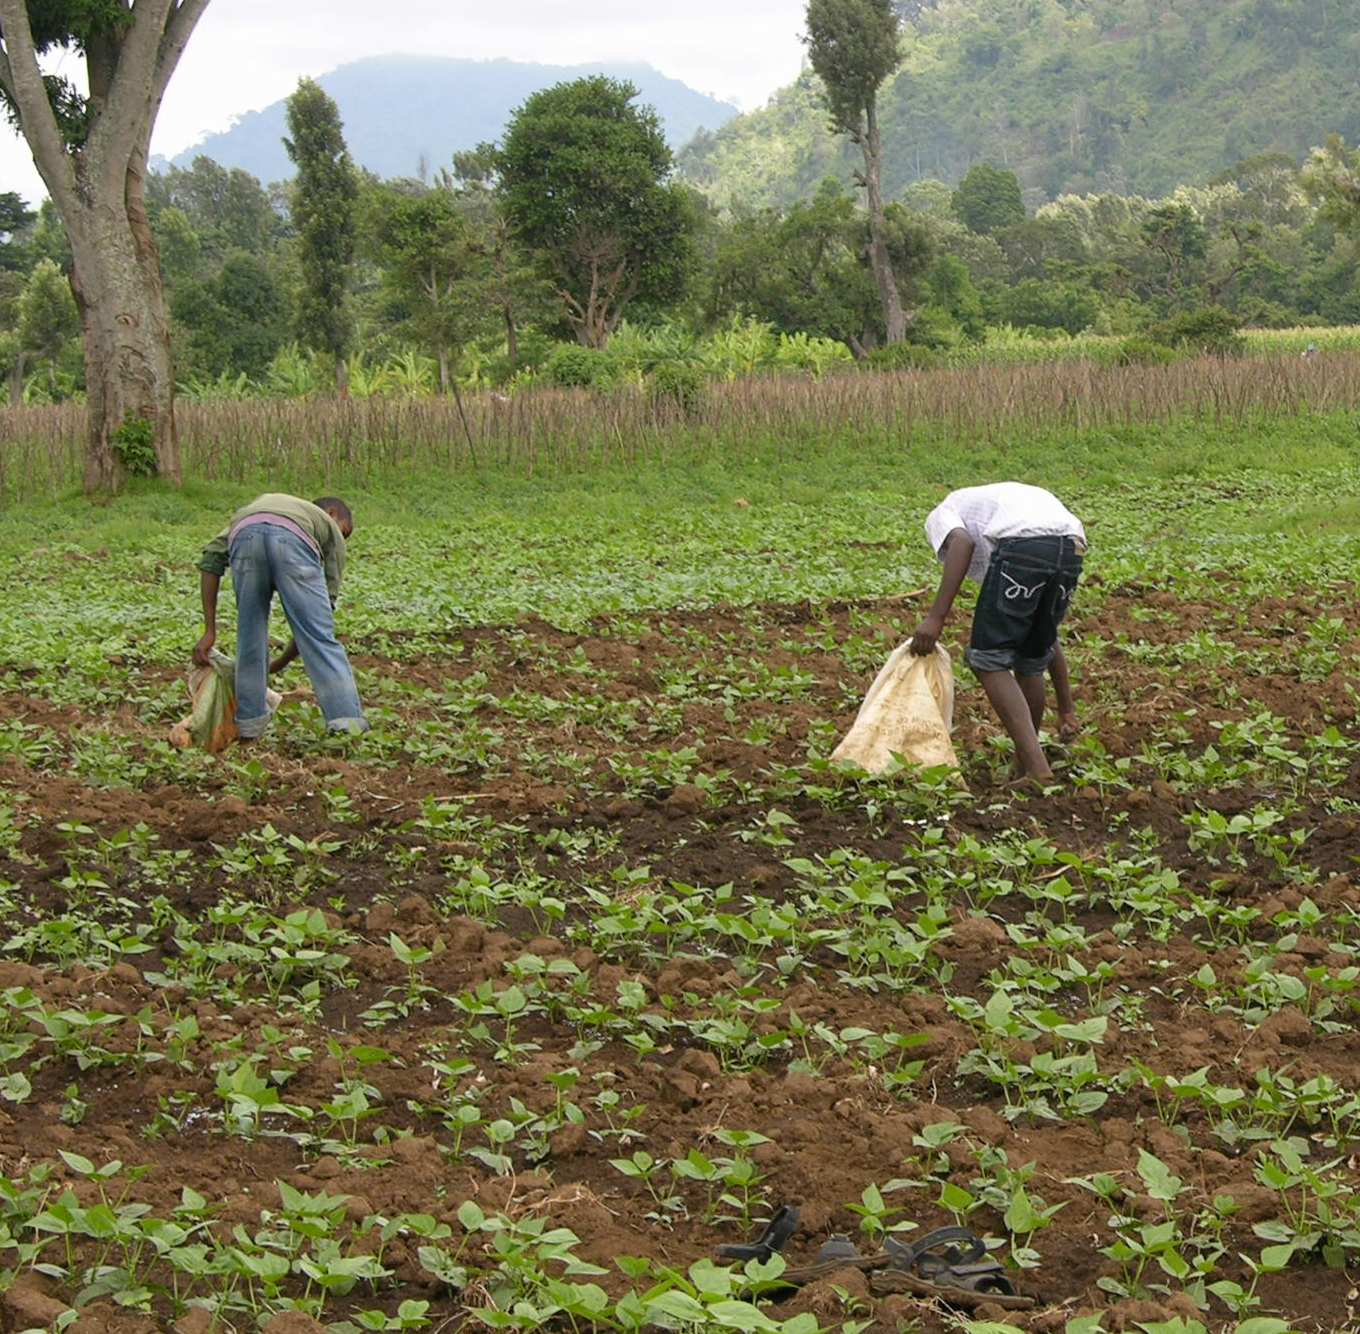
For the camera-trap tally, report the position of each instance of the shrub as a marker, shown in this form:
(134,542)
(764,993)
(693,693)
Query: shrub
(134,443)
(1049,305)
(570,366)
(1143,351)
(804,352)
(936,329)
(1210,329)
(902,357)
(678,384)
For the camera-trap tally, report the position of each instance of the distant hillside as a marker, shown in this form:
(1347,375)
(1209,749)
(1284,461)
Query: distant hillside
(399,110)
(1131,96)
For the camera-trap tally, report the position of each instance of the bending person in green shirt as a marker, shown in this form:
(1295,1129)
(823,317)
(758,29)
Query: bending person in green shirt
(295,548)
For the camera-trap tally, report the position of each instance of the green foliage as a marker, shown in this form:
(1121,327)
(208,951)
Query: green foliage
(1047,305)
(45,333)
(84,24)
(1210,330)
(571,366)
(16,222)
(224,209)
(47,312)
(952,292)
(988,199)
(902,357)
(236,321)
(1069,96)
(679,385)
(1143,351)
(135,444)
(323,203)
(806,270)
(435,270)
(853,46)
(584,176)
(1332,178)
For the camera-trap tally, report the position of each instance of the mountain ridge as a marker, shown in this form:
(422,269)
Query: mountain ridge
(402,110)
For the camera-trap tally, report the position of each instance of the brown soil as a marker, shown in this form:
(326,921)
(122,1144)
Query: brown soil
(562,795)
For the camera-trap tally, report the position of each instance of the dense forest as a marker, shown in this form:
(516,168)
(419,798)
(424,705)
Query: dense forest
(1075,96)
(573,250)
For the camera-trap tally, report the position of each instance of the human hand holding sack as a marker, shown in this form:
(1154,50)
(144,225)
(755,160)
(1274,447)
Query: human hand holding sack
(211,725)
(908,714)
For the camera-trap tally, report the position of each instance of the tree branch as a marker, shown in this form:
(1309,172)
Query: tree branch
(177,33)
(125,120)
(24,83)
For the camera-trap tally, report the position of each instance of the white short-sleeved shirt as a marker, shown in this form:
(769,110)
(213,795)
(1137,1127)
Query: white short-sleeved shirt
(990,514)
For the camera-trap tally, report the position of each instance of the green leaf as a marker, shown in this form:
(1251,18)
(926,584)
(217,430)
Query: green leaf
(1276,1258)
(679,1306)
(955,1198)
(15,1087)
(83,1166)
(740,1315)
(1157,1177)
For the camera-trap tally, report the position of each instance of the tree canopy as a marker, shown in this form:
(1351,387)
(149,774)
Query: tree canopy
(585,176)
(324,197)
(988,199)
(853,46)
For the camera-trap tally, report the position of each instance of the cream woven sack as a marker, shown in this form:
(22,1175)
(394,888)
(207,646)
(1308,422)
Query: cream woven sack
(908,713)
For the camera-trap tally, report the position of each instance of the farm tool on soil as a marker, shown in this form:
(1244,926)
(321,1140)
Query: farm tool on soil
(950,1264)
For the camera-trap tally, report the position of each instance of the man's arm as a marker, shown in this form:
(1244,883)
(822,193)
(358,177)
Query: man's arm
(1068,723)
(208,584)
(958,555)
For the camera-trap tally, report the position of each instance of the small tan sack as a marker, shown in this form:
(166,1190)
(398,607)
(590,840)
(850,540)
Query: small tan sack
(908,714)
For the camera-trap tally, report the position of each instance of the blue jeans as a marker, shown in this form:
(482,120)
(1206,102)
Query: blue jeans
(267,559)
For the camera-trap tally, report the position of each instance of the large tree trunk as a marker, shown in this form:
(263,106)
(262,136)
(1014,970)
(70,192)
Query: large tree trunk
(511,338)
(893,315)
(97,186)
(128,369)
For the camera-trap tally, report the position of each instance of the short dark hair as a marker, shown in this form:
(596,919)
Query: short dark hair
(336,504)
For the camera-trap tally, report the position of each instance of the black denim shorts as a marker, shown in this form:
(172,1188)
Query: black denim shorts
(1026,592)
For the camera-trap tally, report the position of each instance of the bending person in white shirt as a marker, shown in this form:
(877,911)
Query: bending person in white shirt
(1025,548)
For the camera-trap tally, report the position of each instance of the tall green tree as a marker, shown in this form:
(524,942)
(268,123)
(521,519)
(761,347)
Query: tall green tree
(585,176)
(431,266)
(16,220)
(988,200)
(227,208)
(323,203)
(854,46)
(807,270)
(1177,245)
(90,145)
(1331,176)
(512,286)
(233,322)
(48,320)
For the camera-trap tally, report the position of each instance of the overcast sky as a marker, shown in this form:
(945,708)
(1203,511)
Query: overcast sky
(249,53)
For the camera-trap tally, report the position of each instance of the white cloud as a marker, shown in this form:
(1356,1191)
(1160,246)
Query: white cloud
(249,53)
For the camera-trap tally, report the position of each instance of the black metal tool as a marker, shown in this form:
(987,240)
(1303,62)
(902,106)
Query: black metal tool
(775,1237)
